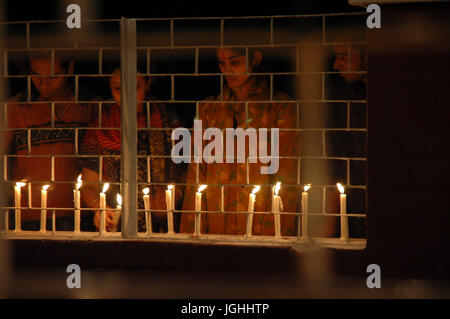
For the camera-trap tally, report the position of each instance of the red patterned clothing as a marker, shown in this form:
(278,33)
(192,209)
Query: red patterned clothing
(150,142)
(46,140)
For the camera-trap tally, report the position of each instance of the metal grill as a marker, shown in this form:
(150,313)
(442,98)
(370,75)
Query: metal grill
(300,46)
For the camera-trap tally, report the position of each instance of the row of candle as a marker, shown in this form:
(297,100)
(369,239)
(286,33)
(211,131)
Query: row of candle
(277,207)
(77,205)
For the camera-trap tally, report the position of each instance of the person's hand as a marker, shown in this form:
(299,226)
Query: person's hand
(111,222)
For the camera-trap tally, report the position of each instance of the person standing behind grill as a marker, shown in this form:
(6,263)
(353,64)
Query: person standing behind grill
(264,110)
(349,85)
(52,134)
(150,142)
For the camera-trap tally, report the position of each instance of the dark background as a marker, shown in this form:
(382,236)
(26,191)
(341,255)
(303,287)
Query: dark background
(43,10)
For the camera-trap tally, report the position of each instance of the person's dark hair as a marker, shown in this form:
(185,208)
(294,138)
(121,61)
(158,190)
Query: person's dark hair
(112,63)
(63,58)
(251,53)
(141,70)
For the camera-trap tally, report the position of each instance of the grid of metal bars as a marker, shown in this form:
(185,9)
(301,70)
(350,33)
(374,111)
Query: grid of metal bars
(129,51)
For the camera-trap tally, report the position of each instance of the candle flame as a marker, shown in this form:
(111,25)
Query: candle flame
(276,188)
(45,187)
(256,189)
(340,187)
(169,187)
(79,182)
(119,200)
(202,187)
(146,191)
(307,186)
(105,187)
(20,184)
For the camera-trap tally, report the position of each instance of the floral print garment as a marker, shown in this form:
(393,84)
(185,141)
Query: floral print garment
(261,114)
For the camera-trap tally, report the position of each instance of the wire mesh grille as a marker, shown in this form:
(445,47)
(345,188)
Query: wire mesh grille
(316,61)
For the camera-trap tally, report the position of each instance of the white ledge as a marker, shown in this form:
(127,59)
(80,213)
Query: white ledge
(300,245)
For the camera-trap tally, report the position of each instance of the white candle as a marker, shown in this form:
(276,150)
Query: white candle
(277,206)
(53,222)
(17,204)
(76,200)
(170,208)
(251,209)
(148,216)
(102,208)
(117,212)
(305,196)
(44,207)
(344,219)
(198,208)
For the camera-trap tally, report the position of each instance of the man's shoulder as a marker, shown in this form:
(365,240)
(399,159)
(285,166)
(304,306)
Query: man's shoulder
(17,106)
(19,97)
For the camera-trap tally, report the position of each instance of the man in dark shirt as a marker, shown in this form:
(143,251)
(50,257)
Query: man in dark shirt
(350,83)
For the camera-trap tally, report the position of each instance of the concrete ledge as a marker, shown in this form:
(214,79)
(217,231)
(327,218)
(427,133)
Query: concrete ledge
(153,254)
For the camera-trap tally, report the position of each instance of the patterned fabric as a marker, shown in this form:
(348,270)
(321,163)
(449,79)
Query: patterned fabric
(150,142)
(39,137)
(49,140)
(260,115)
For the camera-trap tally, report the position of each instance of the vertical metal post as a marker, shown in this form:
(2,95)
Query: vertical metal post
(128,76)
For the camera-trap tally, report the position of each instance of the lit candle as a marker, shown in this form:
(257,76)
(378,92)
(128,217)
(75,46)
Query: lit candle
(305,196)
(251,209)
(17,204)
(44,207)
(76,200)
(170,208)
(117,212)
(277,206)
(198,208)
(148,216)
(102,208)
(119,201)
(344,220)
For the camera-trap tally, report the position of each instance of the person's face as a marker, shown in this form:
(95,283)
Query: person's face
(342,63)
(233,66)
(143,85)
(47,86)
